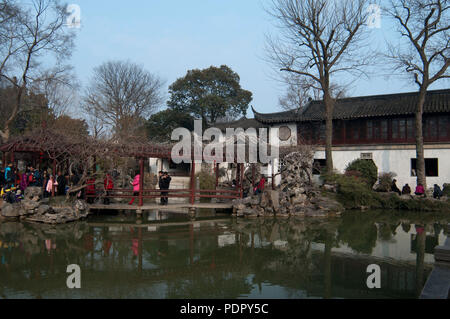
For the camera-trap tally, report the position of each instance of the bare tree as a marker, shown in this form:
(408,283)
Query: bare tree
(299,92)
(320,39)
(122,94)
(423,53)
(28,36)
(60,88)
(96,125)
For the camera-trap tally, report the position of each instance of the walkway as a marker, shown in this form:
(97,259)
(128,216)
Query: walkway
(170,207)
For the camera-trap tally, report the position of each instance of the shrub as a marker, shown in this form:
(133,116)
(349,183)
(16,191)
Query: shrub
(354,192)
(367,168)
(206,181)
(330,177)
(355,174)
(385,181)
(446,190)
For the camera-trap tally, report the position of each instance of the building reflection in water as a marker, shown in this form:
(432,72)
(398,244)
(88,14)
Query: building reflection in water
(219,259)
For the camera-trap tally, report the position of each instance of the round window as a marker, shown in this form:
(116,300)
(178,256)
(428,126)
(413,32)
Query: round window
(285,133)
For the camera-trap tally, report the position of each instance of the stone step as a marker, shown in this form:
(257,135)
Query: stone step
(442,253)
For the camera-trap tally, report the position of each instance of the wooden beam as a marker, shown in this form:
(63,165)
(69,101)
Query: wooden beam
(193,182)
(238,174)
(141,182)
(216,169)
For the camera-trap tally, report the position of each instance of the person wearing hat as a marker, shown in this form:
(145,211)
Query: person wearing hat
(19,196)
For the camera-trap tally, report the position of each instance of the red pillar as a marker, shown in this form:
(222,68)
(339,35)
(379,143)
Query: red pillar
(238,174)
(193,182)
(12,158)
(242,181)
(217,175)
(191,244)
(4,160)
(141,182)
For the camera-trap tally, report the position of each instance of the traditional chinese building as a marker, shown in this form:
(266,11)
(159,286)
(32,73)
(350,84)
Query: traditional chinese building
(381,128)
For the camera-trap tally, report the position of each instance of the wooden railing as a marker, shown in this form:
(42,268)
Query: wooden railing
(169,193)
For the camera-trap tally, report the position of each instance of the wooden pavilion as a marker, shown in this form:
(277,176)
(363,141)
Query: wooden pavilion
(45,146)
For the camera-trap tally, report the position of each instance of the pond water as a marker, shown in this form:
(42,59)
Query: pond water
(168,256)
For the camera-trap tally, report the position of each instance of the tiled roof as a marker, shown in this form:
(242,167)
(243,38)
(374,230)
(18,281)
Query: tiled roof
(360,107)
(243,123)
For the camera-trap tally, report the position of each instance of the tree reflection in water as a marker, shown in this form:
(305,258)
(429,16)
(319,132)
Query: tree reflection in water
(255,258)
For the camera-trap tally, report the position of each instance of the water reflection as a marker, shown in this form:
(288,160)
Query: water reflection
(229,258)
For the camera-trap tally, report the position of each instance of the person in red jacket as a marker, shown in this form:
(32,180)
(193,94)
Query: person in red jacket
(420,190)
(260,187)
(136,186)
(109,186)
(90,190)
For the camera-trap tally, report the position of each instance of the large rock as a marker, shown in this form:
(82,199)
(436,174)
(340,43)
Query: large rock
(296,195)
(65,212)
(81,206)
(274,199)
(10,210)
(326,204)
(29,204)
(32,192)
(299,200)
(44,209)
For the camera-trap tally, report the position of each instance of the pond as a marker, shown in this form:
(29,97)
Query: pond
(168,256)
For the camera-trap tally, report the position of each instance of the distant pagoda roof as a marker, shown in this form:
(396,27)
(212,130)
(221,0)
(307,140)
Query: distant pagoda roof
(437,101)
(243,123)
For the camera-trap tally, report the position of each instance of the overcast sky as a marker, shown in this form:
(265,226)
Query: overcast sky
(170,37)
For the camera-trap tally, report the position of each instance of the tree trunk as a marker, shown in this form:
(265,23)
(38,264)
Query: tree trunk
(6,133)
(329,107)
(420,152)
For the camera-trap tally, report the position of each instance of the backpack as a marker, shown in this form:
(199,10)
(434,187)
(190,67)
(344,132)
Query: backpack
(11,197)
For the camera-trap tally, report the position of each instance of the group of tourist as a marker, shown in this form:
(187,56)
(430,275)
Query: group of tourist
(420,190)
(108,183)
(12,180)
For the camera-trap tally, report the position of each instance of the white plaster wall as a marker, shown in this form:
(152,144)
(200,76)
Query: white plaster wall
(154,165)
(397,161)
(292,141)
